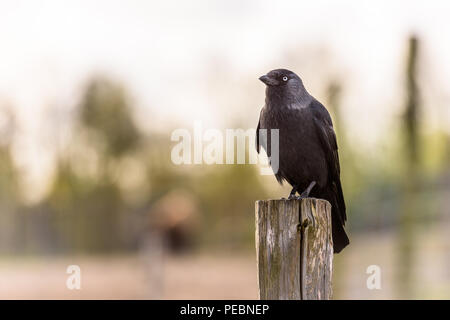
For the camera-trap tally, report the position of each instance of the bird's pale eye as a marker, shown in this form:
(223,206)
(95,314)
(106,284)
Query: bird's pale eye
(285,78)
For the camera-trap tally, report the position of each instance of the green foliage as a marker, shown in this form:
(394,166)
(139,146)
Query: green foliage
(228,195)
(9,184)
(86,213)
(89,209)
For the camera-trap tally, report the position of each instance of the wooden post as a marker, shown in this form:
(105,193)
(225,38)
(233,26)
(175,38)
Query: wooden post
(294,249)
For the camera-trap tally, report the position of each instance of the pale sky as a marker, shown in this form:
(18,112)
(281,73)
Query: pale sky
(162,52)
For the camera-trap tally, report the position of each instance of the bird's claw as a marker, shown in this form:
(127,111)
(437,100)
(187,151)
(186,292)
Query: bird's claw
(304,195)
(294,197)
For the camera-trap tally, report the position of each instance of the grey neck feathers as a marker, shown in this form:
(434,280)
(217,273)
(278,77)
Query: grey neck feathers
(292,97)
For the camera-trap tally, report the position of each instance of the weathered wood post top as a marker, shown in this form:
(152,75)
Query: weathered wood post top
(294,249)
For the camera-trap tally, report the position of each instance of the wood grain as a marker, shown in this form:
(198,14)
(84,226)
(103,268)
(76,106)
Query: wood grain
(294,249)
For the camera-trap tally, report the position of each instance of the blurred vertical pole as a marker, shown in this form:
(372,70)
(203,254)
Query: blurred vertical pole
(412,105)
(407,241)
(334,90)
(153,249)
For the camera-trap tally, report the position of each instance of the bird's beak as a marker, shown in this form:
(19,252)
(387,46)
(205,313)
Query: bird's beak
(268,80)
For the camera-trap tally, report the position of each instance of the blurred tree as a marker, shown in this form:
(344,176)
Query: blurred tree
(408,215)
(11,228)
(105,110)
(87,204)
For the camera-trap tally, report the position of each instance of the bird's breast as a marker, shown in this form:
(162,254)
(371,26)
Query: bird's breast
(301,156)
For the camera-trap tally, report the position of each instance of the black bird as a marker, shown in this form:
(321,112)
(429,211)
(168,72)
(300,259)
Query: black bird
(308,152)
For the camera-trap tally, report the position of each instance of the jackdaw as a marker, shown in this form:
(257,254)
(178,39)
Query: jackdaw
(308,154)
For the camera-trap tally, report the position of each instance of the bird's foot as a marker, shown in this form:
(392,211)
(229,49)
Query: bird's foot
(293,192)
(305,194)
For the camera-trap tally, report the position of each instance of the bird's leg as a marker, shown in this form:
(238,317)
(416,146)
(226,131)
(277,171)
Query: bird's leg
(305,194)
(293,191)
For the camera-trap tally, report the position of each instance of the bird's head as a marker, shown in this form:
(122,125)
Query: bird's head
(279,78)
(283,84)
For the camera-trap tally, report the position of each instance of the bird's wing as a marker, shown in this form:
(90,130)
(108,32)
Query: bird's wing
(327,137)
(257,133)
(325,131)
(257,138)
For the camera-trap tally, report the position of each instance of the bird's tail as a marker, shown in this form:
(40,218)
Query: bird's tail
(338,217)
(340,238)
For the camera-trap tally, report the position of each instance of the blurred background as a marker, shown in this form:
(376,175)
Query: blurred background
(91,91)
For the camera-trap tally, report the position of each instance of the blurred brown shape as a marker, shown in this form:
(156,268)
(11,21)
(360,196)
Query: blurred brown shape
(176,216)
